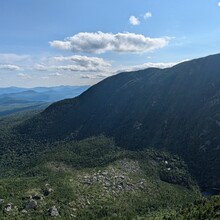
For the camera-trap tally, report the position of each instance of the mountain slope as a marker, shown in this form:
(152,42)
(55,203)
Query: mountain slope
(176,108)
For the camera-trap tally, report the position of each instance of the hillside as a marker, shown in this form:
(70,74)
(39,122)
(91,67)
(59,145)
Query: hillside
(175,108)
(90,179)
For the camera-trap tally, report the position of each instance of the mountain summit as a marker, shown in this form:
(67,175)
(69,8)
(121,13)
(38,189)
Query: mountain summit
(176,108)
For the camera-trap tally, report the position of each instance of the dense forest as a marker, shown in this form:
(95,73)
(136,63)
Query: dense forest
(94,178)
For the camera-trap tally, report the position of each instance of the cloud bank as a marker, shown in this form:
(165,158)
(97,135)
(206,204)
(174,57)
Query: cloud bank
(10,67)
(100,42)
(75,63)
(129,69)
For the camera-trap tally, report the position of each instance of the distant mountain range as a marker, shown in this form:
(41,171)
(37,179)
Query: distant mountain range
(177,109)
(14,99)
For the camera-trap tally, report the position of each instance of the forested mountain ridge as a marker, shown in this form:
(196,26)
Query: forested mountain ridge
(176,108)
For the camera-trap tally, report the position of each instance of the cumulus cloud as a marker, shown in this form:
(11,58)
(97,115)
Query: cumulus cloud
(76,63)
(10,67)
(88,76)
(24,76)
(100,42)
(55,74)
(147,15)
(72,68)
(84,61)
(134,20)
(95,76)
(14,62)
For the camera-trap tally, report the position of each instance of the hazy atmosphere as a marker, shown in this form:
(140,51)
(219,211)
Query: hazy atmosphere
(69,42)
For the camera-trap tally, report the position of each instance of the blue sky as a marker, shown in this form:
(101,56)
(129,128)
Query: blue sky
(72,42)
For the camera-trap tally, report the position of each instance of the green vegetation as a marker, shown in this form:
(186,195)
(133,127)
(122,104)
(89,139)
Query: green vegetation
(203,209)
(8,109)
(92,178)
(122,185)
(7,122)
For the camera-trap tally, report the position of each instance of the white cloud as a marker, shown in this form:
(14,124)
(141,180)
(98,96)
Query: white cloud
(134,20)
(10,67)
(84,61)
(76,63)
(147,15)
(218,4)
(95,76)
(24,76)
(55,74)
(150,65)
(129,69)
(100,42)
(72,68)
(14,62)
(159,65)
(88,76)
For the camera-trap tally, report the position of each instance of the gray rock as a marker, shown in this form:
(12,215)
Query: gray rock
(107,184)
(24,211)
(26,197)
(53,212)
(37,197)
(31,204)
(8,207)
(47,191)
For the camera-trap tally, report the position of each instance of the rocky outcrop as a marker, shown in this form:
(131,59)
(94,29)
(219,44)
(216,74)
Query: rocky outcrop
(115,179)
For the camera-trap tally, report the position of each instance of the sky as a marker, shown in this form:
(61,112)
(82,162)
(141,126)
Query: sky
(80,42)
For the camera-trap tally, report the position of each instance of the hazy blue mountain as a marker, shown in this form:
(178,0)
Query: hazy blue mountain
(12,89)
(47,94)
(13,99)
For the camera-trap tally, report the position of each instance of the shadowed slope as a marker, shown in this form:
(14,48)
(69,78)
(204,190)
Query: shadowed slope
(177,108)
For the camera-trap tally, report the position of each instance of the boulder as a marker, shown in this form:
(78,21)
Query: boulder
(47,191)
(31,204)
(53,212)
(8,207)
(24,211)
